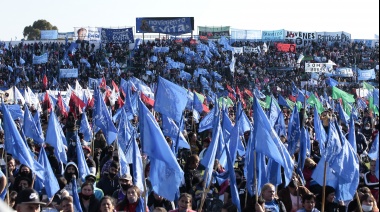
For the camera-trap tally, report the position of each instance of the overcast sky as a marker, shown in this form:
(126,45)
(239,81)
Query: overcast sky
(360,18)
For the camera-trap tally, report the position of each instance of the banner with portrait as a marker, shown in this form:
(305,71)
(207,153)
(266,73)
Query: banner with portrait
(165,25)
(273,35)
(300,38)
(87,33)
(49,34)
(124,35)
(286,47)
(40,59)
(214,32)
(68,73)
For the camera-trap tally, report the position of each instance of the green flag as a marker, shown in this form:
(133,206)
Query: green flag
(227,102)
(337,93)
(290,103)
(368,86)
(313,100)
(347,108)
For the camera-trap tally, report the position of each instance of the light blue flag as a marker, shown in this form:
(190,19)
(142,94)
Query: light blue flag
(351,133)
(347,170)
(270,144)
(282,101)
(233,142)
(361,103)
(209,158)
(258,94)
(37,121)
(76,202)
(233,186)
(274,112)
(318,174)
(103,119)
(15,145)
(82,165)
(343,115)
(170,128)
(273,172)
(138,174)
(197,104)
(165,173)
(56,138)
(171,99)
(206,122)
(375,93)
(49,180)
(294,131)
(320,132)
(374,154)
(124,132)
(124,165)
(30,127)
(304,152)
(85,128)
(15,112)
(333,145)
(331,82)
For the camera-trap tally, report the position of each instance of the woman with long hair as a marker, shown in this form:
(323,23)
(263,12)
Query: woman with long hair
(87,198)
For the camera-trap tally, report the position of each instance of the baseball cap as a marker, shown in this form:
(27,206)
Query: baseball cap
(126,177)
(90,176)
(28,196)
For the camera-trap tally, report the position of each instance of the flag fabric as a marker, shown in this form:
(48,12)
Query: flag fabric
(85,128)
(171,99)
(61,107)
(76,202)
(232,64)
(45,82)
(258,93)
(82,164)
(305,147)
(103,119)
(282,101)
(46,104)
(320,132)
(331,82)
(56,138)
(22,61)
(165,173)
(30,127)
(233,185)
(368,86)
(270,143)
(74,103)
(274,112)
(294,131)
(103,84)
(124,164)
(15,145)
(49,180)
(206,122)
(313,101)
(138,171)
(374,154)
(170,128)
(337,93)
(37,121)
(351,133)
(344,118)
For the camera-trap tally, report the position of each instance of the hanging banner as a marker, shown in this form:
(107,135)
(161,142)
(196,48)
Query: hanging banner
(64,35)
(124,35)
(241,34)
(237,50)
(273,35)
(87,33)
(49,34)
(366,74)
(171,25)
(300,38)
(249,49)
(332,37)
(40,59)
(214,32)
(68,73)
(285,47)
(319,67)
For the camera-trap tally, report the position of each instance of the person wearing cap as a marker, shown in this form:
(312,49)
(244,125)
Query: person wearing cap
(28,201)
(125,181)
(91,178)
(90,162)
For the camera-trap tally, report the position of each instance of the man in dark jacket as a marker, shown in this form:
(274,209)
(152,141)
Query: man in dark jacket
(109,183)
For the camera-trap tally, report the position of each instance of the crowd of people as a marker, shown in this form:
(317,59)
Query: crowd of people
(271,71)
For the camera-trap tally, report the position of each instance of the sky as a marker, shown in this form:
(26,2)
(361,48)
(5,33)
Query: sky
(359,18)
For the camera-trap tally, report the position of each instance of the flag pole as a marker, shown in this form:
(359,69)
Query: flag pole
(324,188)
(255,175)
(204,191)
(6,173)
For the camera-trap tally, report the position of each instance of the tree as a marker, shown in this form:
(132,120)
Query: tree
(34,32)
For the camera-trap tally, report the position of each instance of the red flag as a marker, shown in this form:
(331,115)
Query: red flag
(61,107)
(205,108)
(147,100)
(238,93)
(292,98)
(115,86)
(91,103)
(103,84)
(120,102)
(76,102)
(248,92)
(46,105)
(230,89)
(232,96)
(45,82)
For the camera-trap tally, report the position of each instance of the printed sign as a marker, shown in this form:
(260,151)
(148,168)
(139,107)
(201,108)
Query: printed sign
(172,26)
(319,67)
(87,33)
(285,47)
(214,32)
(240,34)
(332,37)
(68,73)
(49,34)
(366,74)
(117,35)
(40,59)
(300,38)
(273,35)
